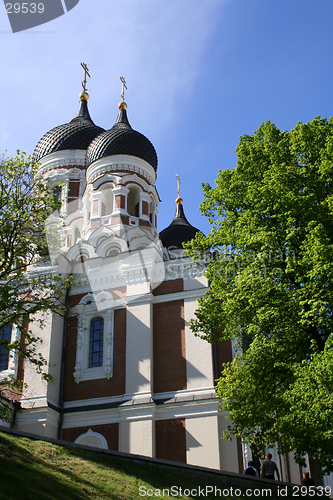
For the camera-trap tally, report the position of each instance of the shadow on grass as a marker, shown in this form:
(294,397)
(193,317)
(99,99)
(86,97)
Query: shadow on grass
(25,475)
(36,470)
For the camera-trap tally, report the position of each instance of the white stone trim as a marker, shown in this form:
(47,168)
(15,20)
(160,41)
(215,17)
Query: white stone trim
(119,163)
(91,418)
(87,312)
(81,248)
(42,417)
(199,359)
(94,439)
(35,402)
(187,395)
(59,159)
(13,356)
(139,412)
(187,410)
(128,269)
(144,298)
(187,294)
(119,191)
(78,403)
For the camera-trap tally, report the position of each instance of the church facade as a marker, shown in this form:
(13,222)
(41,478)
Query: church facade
(128,373)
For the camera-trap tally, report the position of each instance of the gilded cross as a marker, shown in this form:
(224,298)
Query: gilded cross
(122,79)
(178,184)
(86,72)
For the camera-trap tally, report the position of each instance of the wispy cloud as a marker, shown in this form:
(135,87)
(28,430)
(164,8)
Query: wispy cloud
(158,45)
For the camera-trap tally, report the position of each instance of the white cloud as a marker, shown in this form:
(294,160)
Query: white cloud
(158,45)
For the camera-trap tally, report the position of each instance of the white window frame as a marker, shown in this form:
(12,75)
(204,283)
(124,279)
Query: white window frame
(13,358)
(101,306)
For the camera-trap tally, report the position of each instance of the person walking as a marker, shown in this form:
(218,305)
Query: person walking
(268,467)
(307,480)
(250,470)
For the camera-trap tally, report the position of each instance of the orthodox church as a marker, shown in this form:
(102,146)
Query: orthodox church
(128,372)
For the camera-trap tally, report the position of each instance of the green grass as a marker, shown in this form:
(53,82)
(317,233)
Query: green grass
(37,470)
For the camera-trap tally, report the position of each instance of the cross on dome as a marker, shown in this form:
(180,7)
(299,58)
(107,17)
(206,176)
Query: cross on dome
(123,81)
(86,72)
(178,184)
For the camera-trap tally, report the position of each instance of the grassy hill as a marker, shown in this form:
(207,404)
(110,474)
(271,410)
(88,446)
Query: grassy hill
(37,470)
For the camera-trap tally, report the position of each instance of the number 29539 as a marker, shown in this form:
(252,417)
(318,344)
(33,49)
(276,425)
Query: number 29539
(24,8)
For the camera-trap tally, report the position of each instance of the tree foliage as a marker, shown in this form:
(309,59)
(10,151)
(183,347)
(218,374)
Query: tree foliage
(271,287)
(28,284)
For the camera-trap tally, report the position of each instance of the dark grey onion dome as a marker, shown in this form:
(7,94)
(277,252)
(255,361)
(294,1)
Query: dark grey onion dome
(180,230)
(121,139)
(77,134)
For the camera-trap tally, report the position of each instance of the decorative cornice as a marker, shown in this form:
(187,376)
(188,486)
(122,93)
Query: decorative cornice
(120,163)
(149,410)
(129,270)
(186,294)
(62,159)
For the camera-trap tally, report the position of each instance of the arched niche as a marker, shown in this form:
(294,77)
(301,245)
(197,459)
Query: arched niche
(94,439)
(106,199)
(152,207)
(133,201)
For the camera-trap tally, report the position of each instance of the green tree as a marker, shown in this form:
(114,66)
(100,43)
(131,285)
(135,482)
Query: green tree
(271,287)
(28,283)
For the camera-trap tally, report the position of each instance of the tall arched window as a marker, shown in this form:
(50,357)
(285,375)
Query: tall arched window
(107,199)
(133,201)
(96,342)
(5,334)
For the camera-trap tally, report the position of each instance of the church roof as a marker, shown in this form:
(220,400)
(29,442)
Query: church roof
(122,139)
(77,134)
(180,230)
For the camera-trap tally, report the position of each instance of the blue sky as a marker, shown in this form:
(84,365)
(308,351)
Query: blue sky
(200,73)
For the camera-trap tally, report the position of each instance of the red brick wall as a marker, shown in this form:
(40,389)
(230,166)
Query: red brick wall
(144,223)
(123,218)
(100,387)
(241,466)
(169,346)
(109,431)
(74,188)
(223,354)
(75,299)
(170,438)
(73,194)
(170,286)
(21,360)
(120,201)
(145,208)
(93,224)
(94,207)
(72,207)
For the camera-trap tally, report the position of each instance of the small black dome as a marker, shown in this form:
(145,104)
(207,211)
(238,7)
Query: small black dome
(180,231)
(77,134)
(122,140)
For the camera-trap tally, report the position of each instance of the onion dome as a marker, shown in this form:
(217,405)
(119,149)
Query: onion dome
(77,134)
(121,139)
(180,230)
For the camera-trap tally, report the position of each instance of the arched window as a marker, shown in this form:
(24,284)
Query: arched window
(133,201)
(57,192)
(96,342)
(76,235)
(107,199)
(152,213)
(5,334)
